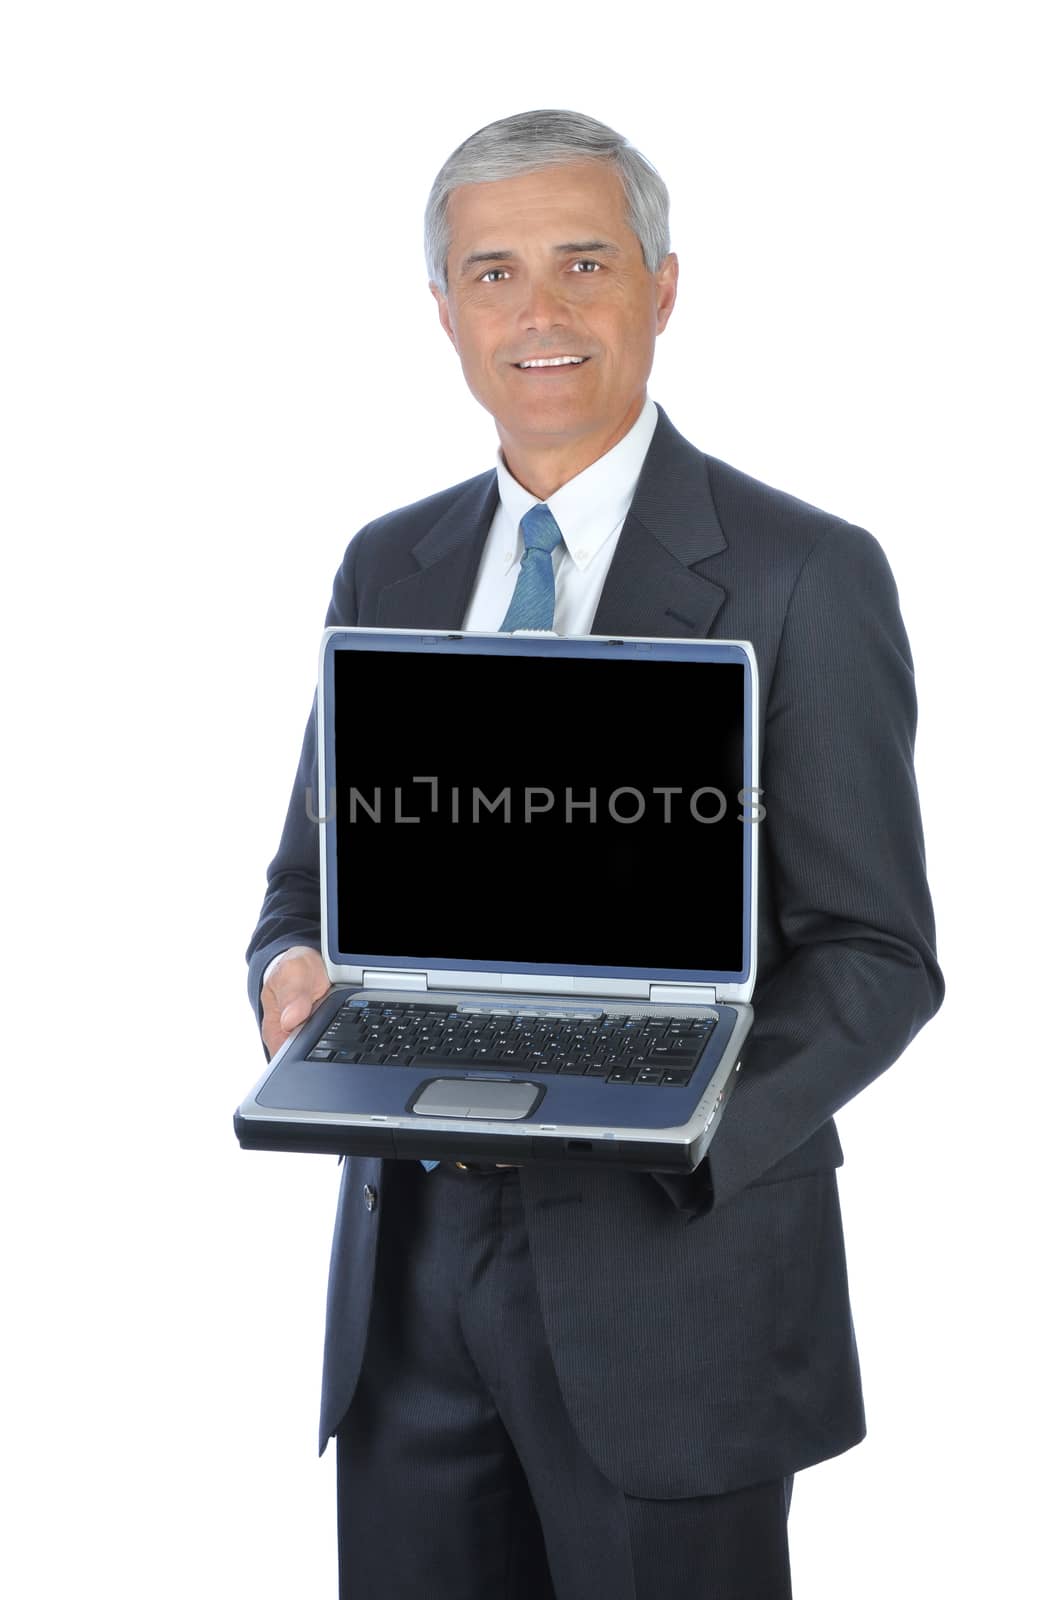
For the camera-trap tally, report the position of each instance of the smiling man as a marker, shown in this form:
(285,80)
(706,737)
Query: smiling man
(557,1382)
(554,314)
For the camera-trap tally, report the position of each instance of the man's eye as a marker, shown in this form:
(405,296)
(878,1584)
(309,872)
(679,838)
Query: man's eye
(588,263)
(492,272)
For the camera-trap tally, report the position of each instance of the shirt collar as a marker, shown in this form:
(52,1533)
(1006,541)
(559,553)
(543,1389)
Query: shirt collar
(590,506)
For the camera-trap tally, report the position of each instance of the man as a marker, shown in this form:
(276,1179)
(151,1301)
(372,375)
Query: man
(559,1379)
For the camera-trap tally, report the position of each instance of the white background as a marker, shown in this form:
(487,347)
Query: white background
(219,359)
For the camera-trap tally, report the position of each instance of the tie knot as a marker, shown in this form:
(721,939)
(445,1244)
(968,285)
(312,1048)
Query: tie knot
(540,530)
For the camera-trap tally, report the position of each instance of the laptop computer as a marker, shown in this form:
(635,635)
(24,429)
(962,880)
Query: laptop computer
(538,900)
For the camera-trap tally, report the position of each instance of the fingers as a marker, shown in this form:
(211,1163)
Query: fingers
(294,983)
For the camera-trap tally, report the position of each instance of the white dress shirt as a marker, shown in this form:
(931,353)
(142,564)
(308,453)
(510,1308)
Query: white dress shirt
(589,509)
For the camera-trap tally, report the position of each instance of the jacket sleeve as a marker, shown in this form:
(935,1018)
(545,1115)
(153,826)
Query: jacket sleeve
(842,836)
(291,910)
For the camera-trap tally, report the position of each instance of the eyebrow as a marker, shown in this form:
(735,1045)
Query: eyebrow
(571,247)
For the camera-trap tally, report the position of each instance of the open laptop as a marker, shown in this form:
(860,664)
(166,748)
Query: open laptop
(538,900)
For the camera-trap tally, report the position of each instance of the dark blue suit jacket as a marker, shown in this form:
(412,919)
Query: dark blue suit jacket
(700,1325)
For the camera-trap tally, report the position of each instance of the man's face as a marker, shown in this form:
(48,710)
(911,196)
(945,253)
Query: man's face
(546,265)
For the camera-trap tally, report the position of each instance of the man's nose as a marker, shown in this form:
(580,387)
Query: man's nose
(544,306)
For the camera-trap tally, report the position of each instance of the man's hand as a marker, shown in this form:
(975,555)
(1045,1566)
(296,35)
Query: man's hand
(294,982)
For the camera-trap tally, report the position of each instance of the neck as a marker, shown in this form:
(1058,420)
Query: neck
(543,466)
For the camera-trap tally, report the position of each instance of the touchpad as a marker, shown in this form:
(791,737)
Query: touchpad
(471,1097)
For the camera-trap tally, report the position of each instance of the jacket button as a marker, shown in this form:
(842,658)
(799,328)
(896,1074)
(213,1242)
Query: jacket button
(369,1196)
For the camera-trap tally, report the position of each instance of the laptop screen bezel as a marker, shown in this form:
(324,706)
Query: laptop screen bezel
(348,966)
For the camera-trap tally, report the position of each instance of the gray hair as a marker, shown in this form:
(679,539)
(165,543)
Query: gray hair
(536,139)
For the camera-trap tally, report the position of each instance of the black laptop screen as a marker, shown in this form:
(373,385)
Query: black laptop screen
(570,811)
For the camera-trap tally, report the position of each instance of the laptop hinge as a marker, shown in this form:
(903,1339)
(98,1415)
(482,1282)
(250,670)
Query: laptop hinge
(682,994)
(381,978)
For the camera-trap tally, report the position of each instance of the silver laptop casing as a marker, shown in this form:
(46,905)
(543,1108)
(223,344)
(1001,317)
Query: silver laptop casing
(503,1136)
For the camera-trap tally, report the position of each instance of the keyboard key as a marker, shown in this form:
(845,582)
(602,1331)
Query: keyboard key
(455,1061)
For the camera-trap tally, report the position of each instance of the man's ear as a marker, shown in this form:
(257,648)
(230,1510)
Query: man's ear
(444,313)
(667,282)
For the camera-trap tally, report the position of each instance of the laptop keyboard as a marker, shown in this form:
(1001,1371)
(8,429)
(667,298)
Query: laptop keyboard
(614,1048)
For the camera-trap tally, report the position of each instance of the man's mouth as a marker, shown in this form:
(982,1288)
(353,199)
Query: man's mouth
(538,363)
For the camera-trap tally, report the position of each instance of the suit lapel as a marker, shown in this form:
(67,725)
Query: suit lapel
(448,559)
(652,587)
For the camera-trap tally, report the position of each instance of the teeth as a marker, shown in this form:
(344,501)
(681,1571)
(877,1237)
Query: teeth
(554,361)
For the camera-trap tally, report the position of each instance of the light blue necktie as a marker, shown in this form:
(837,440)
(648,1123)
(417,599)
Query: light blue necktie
(532,605)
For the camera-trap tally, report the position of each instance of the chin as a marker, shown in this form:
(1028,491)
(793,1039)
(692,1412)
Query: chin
(554,416)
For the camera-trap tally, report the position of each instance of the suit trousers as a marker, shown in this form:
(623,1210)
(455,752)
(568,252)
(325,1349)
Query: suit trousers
(459,1473)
